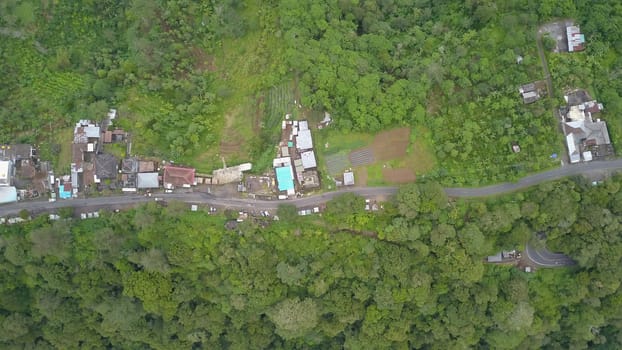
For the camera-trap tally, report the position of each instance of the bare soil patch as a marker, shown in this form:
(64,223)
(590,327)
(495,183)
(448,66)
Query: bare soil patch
(391,144)
(399,175)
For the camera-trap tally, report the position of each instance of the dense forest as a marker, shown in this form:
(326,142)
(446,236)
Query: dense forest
(411,276)
(444,66)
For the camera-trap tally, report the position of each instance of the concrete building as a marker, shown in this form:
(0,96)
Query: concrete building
(147,180)
(6,172)
(348,178)
(308,160)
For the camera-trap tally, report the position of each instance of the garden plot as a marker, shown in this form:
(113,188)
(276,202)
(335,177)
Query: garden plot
(364,156)
(399,175)
(391,144)
(337,163)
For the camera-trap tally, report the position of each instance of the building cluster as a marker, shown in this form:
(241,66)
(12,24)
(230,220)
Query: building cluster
(92,167)
(22,174)
(532,92)
(576,40)
(587,136)
(295,165)
(504,256)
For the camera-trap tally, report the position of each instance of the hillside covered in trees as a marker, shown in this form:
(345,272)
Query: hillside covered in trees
(412,276)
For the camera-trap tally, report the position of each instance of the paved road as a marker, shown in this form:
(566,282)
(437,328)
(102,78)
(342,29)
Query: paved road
(531,180)
(544,258)
(112,202)
(243,203)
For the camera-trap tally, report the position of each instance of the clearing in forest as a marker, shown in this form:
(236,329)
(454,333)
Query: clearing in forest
(391,156)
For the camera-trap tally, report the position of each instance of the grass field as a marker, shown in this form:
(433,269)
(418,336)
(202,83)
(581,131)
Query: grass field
(64,139)
(389,157)
(254,94)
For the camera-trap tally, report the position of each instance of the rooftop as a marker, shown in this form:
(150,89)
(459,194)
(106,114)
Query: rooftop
(304,140)
(129,165)
(146,166)
(16,151)
(308,159)
(8,194)
(5,172)
(348,178)
(147,180)
(576,40)
(178,176)
(106,166)
(582,135)
(310,179)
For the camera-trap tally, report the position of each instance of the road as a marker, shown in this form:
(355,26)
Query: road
(542,257)
(531,180)
(244,203)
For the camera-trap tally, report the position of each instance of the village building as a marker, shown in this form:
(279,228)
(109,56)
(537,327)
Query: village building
(296,164)
(86,138)
(586,138)
(308,160)
(576,40)
(230,174)
(304,140)
(106,167)
(310,179)
(146,166)
(147,180)
(175,176)
(6,173)
(503,256)
(532,92)
(348,178)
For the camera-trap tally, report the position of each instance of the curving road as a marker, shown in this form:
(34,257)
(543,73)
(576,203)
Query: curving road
(544,258)
(243,203)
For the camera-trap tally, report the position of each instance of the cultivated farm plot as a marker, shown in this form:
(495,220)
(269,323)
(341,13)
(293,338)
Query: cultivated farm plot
(399,175)
(363,156)
(280,101)
(391,144)
(337,163)
(392,157)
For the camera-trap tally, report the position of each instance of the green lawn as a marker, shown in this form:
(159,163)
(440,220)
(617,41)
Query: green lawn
(65,139)
(331,141)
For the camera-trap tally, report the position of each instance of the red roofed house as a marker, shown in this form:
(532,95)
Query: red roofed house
(178,177)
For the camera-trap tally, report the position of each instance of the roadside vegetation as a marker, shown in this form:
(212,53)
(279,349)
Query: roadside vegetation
(411,275)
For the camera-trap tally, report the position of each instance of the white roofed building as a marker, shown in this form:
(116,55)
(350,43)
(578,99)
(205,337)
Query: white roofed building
(304,140)
(308,159)
(6,172)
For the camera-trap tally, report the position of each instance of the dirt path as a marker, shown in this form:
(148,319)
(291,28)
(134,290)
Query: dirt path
(545,66)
